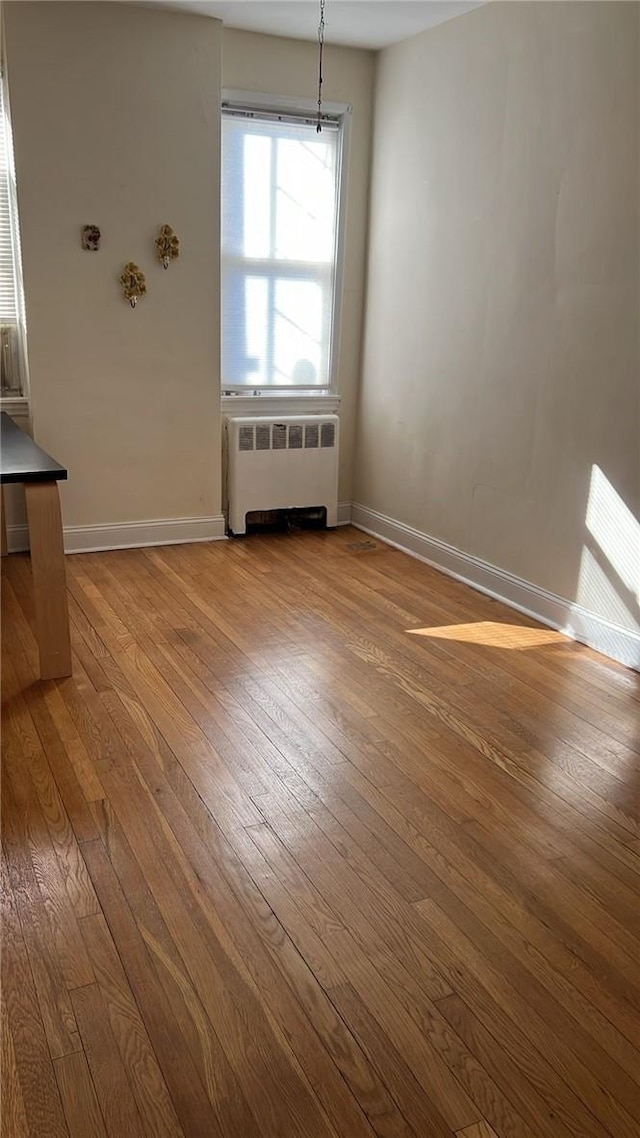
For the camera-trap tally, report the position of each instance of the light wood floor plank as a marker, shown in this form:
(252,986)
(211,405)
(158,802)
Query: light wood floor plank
(37,1088)
(129,1032)
(13,1116)
(79,1097)
(110,1078)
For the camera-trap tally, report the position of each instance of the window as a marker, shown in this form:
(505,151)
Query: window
(280,229)
(11,306)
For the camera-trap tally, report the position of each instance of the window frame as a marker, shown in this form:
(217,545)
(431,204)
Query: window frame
(304,108)
(20,394)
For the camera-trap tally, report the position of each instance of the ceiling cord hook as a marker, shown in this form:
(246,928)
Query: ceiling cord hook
(320,54)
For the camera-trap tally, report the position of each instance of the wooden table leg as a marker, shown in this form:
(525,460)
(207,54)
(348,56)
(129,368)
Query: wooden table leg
(3,523)
(49,580)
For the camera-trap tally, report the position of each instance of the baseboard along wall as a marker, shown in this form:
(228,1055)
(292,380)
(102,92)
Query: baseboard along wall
(129,535)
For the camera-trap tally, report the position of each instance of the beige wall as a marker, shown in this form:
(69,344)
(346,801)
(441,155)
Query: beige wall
(501,354)
(272,65)
(116,122)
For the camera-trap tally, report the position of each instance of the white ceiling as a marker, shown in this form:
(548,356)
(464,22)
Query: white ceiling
(359,23)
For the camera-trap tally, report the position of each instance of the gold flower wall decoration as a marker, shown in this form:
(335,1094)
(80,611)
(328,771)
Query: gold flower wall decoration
(167,246)
(133,283)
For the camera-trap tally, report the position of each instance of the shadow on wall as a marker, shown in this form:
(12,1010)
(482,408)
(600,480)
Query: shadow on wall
(609,579)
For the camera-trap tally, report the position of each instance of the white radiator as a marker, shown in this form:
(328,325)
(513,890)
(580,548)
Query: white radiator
(282,464)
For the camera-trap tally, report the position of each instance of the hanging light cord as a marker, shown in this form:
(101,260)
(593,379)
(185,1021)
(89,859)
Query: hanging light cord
(320,53)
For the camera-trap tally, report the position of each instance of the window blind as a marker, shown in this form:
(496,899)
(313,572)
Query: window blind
(8,276)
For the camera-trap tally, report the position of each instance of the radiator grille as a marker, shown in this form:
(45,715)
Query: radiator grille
(245,438)
(279,436)
(328,435)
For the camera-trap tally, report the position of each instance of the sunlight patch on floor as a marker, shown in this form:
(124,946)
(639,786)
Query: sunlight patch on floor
(493,634)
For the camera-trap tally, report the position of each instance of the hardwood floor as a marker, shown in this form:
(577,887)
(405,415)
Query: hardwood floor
(314,842)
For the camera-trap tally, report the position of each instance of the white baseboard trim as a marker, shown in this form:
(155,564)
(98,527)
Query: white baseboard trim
(344,513)
(621,644)
(17,539)
(128,535)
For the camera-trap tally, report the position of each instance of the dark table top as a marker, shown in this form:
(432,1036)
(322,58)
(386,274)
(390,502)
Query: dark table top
(22,460)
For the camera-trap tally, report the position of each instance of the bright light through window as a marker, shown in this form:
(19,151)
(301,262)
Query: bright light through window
(279,221)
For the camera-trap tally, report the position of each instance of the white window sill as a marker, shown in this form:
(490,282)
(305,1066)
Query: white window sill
(324,403)
(15,405)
